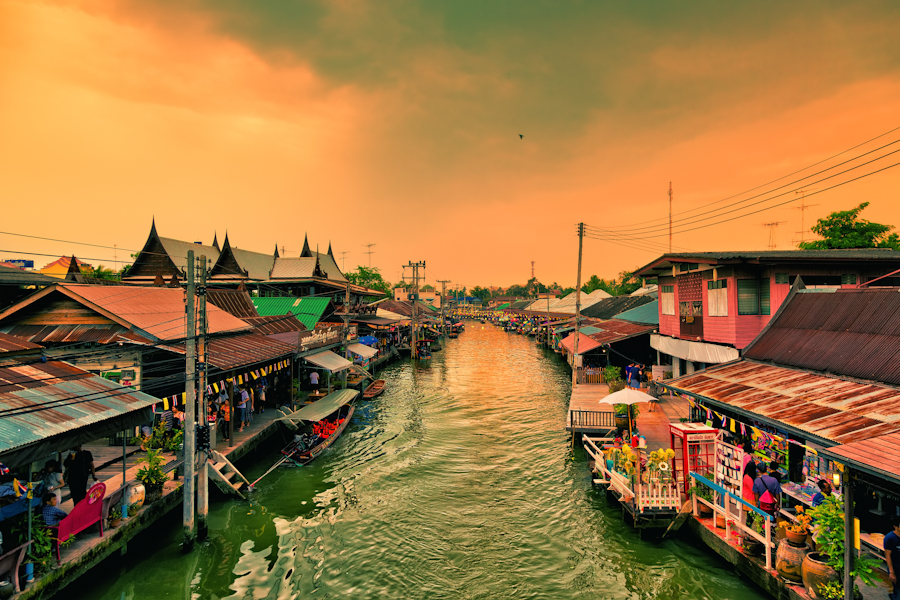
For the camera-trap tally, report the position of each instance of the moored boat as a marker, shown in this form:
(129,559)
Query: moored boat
(375,388)
(318,425)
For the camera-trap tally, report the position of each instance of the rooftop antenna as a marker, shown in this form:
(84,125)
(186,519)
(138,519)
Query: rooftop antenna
(802,208)
(344,254)
(670,217)
(772,227)
(370,252)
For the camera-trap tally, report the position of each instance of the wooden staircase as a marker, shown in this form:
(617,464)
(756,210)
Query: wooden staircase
(226,476)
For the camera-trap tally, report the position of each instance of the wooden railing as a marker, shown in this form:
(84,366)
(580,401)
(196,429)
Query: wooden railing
(592,418)
(723,502)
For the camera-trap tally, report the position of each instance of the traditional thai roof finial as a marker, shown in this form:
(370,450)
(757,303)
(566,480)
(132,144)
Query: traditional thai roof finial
(74,271)
(216,242)
(329,249)
(306,253)
(159,281)
(276,251)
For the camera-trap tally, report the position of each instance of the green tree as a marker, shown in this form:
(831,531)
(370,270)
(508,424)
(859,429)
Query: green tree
(844,229)
(625,284)
(369,277)
(101,272)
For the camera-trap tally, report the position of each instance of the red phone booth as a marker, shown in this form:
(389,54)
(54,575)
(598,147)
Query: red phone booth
(695,450)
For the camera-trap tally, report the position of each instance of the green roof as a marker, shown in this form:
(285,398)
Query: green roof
(504,305)
(307,310)
(648,313)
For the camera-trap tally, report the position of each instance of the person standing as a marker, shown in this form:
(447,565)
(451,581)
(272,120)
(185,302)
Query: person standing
(314,380)
(767,491)
(225,412)
(825,490)
(79,465)
(242,408)
(52,480)
(892,554)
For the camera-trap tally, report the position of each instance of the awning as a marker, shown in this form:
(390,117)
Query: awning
(693,351)
(48,407)
(329,360)
(585,343)
(324,407)
(564,329)
(362,350)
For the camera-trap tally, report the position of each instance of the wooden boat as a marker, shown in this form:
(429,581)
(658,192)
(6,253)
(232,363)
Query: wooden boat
(375,388)
(453,334)
(317,426)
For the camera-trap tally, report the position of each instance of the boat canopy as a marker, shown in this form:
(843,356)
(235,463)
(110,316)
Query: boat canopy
(362,350)
(329,360)
(324,407)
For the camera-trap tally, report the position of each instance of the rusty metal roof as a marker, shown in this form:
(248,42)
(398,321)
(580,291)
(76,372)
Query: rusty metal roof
(666,261)
(877,456)
(855,333)
(44,405)
(10,343)
(244,350)
(70,334)
(235,302)
(826,407)
(613,330)
(610,307)
(276,324)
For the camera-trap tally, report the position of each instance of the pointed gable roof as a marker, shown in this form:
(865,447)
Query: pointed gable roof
(166,257)
(276,251)
(74,273)
(235,263)
(306,253)
(215,243)
(330,253)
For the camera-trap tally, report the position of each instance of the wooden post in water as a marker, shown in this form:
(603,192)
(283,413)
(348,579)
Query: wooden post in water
(203,472)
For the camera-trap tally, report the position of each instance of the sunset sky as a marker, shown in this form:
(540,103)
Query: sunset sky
(399,123)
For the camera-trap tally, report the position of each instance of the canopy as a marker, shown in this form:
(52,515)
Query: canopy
(627,396)
(361,350)
(368,340)
(324,407)
(564,329)
(51,406)
(585,344)
(329,360)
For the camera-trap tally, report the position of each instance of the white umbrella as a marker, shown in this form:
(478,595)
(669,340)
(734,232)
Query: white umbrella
(628,397)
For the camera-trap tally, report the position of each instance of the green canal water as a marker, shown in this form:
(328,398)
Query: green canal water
(458,482)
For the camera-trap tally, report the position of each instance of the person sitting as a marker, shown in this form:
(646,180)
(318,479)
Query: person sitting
(52,479)
(824,491)
(52,515)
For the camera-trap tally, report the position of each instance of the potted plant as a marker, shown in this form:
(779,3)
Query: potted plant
(152,475)
(752,546)
(827,566)
(704,493)
(796,531)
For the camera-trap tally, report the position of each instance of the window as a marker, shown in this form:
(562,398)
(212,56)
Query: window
(753,297)
(848,279)
(782,278)
(717,297)
(667,299)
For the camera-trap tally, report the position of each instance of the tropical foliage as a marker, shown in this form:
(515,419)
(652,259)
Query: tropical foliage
(844,229)
(369,277)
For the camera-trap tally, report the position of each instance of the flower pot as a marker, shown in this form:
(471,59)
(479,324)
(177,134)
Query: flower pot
(789,560)
(152,495)
(752,547)
(815,572)
(622,422)
(720,521)
(798,539)
(134,496)
(704,510)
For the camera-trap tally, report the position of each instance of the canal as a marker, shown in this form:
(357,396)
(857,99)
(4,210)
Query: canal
(458,482)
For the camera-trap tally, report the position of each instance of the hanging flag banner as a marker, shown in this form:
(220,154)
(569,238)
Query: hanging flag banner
(165,403)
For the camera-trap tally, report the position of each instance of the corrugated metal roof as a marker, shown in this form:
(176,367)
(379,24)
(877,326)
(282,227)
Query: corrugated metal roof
(827,407)
(783,256)
(47,399)
(258,265)
(308,310)
(877,456)
(648,313)
(855,333)
(14,276)
(11,343)
(615,330)
(276,324)
(158,311)
(70,334)
(610,307)
(235,302)
(244,350)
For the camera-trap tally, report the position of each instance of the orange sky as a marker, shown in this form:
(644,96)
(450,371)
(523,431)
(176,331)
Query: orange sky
(397,123)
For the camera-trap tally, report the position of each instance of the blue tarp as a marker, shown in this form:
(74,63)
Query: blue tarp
(368,340)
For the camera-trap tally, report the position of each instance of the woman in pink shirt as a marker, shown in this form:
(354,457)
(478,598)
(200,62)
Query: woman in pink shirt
(747,489)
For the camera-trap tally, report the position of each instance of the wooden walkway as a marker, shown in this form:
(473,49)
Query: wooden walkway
(589,415)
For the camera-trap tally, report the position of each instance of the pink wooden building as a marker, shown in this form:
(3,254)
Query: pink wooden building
(713,304)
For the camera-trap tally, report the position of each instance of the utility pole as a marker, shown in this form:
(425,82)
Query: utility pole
(190,410)
(670,218)
(203,474)
(576,359)
(802,208)
(415,266)
(370,252)
(443,283)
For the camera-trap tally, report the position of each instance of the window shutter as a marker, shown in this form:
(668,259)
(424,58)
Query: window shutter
(764,303)
(748,296)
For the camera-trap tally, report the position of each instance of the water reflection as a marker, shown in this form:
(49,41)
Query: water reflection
(457,482)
